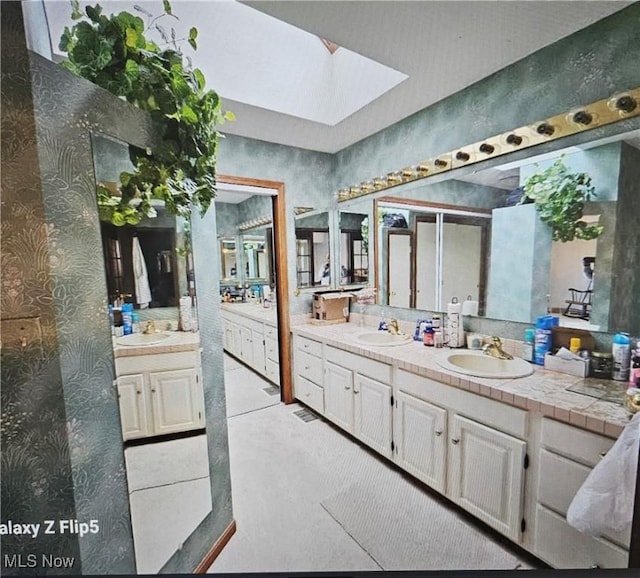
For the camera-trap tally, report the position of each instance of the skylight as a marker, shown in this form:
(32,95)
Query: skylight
(253,58)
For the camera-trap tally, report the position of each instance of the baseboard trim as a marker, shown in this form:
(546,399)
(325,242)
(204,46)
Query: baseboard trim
(215,550)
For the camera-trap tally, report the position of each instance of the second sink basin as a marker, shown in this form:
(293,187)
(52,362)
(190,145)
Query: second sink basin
(382,339)
(142,339)
(480,365)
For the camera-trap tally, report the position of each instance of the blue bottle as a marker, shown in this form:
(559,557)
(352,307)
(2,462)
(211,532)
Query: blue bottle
(127,318)
(621,351)
(543,337)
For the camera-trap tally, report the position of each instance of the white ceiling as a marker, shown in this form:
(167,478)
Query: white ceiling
(443,46)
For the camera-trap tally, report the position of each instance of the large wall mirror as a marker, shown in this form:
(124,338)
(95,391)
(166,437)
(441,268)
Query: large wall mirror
(255,249)
(160,397)
(469,237)
(313,254)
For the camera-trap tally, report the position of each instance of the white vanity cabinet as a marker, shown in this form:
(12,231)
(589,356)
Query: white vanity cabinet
(159,393)
(358,397)
(567,455)
(466,446)
(252,341)
(420,439)
(307,373)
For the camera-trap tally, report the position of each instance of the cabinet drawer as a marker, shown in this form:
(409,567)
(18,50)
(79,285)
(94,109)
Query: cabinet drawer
(159,362)
(573,442)
(309,366)
(309,346)
(562,546)
(270,332)
(271,349)
(273,371)
(362,365)
(560,479)
(498,415)
(310,394)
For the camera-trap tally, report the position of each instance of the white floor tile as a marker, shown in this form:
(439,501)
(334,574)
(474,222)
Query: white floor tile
(162,518)
(161,463)
(245,392)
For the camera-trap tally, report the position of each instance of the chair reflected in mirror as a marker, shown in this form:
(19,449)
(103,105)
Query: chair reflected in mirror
(579,303)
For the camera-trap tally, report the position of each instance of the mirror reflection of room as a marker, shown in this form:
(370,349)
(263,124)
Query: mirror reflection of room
(354,248)
(509,262)
(151,295)
(313,254)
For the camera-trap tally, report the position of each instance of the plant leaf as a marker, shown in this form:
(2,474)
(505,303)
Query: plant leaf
(75,10)
(142,10)
(167,6)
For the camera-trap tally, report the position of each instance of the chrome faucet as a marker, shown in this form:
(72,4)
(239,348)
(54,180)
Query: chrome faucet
(494,349)
(393,327)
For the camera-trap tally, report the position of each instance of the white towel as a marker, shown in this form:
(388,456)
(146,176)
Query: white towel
(143,292)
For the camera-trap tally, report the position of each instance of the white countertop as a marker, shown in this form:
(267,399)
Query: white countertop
(544,391)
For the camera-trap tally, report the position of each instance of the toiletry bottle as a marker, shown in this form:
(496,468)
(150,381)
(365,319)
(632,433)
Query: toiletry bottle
(543,338)
(435,322)
(621,351)
(382,325)
(438,339)
(127,321)
(575,344)
(529,342)
(634,370)
(427,338)
(135,322)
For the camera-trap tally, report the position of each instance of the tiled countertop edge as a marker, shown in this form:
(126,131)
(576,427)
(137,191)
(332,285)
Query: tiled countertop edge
(573,417)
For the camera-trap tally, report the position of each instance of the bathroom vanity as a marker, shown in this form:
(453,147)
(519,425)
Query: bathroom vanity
(512,452)
(159,384)
(250,333)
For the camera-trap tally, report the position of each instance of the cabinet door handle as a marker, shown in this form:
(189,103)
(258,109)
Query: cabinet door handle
(306,367)
(356,391)
(438,432)
(139,391)
(602,454)
(347,387)
(455,441)
(595,566)
(153,391)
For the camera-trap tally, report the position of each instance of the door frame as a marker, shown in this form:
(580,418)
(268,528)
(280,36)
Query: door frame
(282,275)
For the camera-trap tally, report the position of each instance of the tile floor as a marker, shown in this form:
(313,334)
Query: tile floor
(169,495)
(308,498)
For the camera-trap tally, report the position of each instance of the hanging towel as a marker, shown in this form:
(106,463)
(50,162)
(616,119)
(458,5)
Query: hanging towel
(604,503)
(143,292)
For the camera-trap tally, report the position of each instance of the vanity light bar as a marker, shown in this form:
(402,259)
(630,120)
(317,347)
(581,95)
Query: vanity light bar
(253,223)
(617,107)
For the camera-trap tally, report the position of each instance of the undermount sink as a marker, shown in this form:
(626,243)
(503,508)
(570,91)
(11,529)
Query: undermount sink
(382,339)
(142,338)
(481,365)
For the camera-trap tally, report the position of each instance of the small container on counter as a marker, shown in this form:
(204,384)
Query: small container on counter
(601,364)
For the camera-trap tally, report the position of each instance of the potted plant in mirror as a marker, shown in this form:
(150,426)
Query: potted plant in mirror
(560,196)
(115,53)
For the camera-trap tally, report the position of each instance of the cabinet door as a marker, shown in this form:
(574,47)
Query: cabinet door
(133,406)
(246,345)
(338,396)
(258,354)
(176,401)
(420,437)
(487,474)
(372,413)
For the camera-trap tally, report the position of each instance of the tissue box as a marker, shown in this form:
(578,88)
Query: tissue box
(577,367)
(331,307)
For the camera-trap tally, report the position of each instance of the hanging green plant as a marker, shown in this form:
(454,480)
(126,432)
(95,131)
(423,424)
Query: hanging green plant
(115,53)
(560,196)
